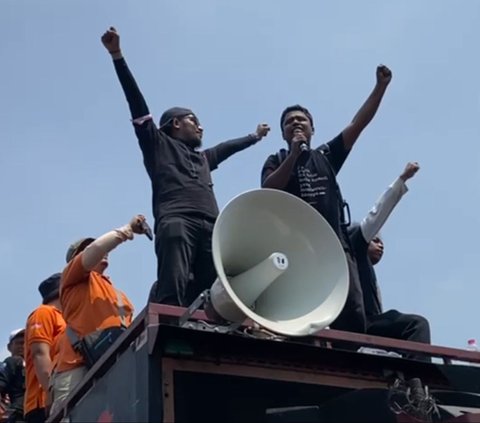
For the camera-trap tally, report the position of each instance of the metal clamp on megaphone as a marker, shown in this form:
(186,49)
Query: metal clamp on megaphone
(279,264)
(217,303)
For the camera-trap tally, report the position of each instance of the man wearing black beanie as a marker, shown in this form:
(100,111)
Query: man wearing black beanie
(184,204)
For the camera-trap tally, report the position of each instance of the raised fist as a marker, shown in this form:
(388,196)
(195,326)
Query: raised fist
(111,40)
(410,169)
(384,75)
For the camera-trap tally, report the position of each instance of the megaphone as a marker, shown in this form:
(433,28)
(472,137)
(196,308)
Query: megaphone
(278,263)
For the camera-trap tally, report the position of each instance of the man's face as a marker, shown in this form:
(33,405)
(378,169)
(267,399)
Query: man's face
(189,130)
(16,346)
(375,250)
(297,123)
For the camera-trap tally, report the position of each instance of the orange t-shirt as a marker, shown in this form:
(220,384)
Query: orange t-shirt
(89,302)
(44,325)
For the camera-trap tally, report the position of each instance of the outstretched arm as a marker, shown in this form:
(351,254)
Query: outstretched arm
(98,249)
(384,206)
(84,262)
(136,102)
(224,150)
(368,110)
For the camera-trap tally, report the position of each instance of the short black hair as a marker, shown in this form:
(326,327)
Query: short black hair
(296,108)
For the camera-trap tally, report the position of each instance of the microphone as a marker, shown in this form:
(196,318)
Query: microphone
(303,145)
(147,230)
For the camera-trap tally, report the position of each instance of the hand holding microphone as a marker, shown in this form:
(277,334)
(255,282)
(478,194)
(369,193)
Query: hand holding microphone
(299,142)
(139,225)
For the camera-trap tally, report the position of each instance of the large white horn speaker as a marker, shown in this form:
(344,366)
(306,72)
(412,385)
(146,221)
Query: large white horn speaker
(279,263)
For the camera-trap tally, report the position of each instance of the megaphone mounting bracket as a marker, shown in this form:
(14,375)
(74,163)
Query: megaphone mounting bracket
(204,300)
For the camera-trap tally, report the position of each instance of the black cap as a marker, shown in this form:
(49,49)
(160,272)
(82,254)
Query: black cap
(78,247)
(50,287)
(172,113)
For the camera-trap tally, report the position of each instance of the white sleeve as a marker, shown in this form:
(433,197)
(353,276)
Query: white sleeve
(94,253)
(377,216)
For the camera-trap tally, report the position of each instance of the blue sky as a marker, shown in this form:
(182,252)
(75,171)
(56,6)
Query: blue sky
(70,165)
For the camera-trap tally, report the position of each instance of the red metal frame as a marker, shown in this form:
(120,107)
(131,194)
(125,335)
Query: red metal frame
(153,316)
(160,312)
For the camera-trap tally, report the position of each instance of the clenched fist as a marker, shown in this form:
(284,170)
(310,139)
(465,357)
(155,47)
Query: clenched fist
(111,40)
(137,224)
(384,75)
(262,130)
(410,169)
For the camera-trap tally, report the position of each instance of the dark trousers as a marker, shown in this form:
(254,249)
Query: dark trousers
(183,245)
(352,318)
(393,324)
(39,415)
(14,416)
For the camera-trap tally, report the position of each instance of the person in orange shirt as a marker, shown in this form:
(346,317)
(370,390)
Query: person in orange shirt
(44,327)
(90,305)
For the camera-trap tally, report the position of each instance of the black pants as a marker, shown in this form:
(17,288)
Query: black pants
(14,416)
(38,415)
(393,324)
(352,318)
(183,245)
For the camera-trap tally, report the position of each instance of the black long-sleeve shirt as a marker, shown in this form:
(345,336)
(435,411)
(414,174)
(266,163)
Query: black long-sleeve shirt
(180,174)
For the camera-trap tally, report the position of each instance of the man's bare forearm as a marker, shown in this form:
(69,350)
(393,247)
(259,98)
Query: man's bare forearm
(43,367)
(279,178)
(364,116)
(368,109)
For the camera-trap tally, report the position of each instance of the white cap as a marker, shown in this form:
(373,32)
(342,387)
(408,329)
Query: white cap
(15,333)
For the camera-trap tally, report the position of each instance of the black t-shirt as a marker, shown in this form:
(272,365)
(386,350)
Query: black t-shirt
(12,381)
(313,179)
(368,278)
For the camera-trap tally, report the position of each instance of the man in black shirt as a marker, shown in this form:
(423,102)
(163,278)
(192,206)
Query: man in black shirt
(12,376)
(311,175)
(184,204)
